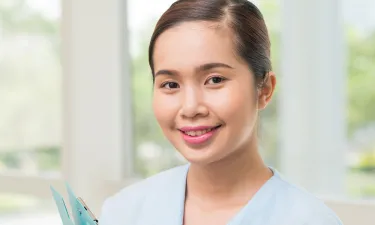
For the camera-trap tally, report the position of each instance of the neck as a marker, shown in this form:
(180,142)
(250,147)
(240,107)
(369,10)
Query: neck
(241,174)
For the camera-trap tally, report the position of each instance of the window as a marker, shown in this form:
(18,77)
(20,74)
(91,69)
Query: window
(30,118)
(26,209)
(360,43)
(30,99)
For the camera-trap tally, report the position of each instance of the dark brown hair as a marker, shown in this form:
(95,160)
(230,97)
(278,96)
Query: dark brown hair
(241,16)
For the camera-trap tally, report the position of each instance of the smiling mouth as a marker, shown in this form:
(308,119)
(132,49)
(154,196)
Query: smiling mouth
(197,133)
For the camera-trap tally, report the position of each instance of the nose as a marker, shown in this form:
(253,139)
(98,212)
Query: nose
(192,104)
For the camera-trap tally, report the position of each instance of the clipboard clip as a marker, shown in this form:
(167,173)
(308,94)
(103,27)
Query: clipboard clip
(80,200)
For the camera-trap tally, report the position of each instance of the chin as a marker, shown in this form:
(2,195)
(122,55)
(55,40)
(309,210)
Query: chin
(201,156)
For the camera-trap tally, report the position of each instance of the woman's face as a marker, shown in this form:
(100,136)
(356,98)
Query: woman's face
(204,95)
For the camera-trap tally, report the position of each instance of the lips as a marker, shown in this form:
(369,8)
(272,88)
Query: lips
(198,131)
(198,134)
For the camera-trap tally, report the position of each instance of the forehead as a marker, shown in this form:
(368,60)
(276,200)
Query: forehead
(194,43)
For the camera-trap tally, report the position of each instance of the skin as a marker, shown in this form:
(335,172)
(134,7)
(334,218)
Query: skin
(193,88)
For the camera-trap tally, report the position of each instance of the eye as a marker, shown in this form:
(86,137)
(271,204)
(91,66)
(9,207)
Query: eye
(215,80)
(170,85)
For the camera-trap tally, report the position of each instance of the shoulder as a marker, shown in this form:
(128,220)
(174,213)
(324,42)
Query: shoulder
(302,207)
(130,200)
(149,185)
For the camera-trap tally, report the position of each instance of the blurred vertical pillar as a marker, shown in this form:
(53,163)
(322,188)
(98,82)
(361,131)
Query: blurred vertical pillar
(312,96)
(96,82)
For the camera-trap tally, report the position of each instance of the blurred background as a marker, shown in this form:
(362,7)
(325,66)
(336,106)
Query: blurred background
(75,83)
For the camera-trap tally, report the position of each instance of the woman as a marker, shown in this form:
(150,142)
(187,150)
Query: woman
(210,61)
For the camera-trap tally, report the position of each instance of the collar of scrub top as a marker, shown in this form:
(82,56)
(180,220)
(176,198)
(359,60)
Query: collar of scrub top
(166,206)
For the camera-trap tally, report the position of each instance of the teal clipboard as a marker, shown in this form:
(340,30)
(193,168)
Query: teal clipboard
(80,212)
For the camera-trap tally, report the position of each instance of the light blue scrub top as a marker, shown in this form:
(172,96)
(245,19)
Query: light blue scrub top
(160,200)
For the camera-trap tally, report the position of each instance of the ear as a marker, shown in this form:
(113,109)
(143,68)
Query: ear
(265,92)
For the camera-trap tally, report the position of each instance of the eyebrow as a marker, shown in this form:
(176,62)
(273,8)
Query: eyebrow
(201,68)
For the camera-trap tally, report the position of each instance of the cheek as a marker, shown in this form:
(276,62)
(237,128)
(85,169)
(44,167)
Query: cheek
(235,102)
(165,109)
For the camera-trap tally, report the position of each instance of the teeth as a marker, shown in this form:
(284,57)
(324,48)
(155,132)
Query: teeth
(197,133)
